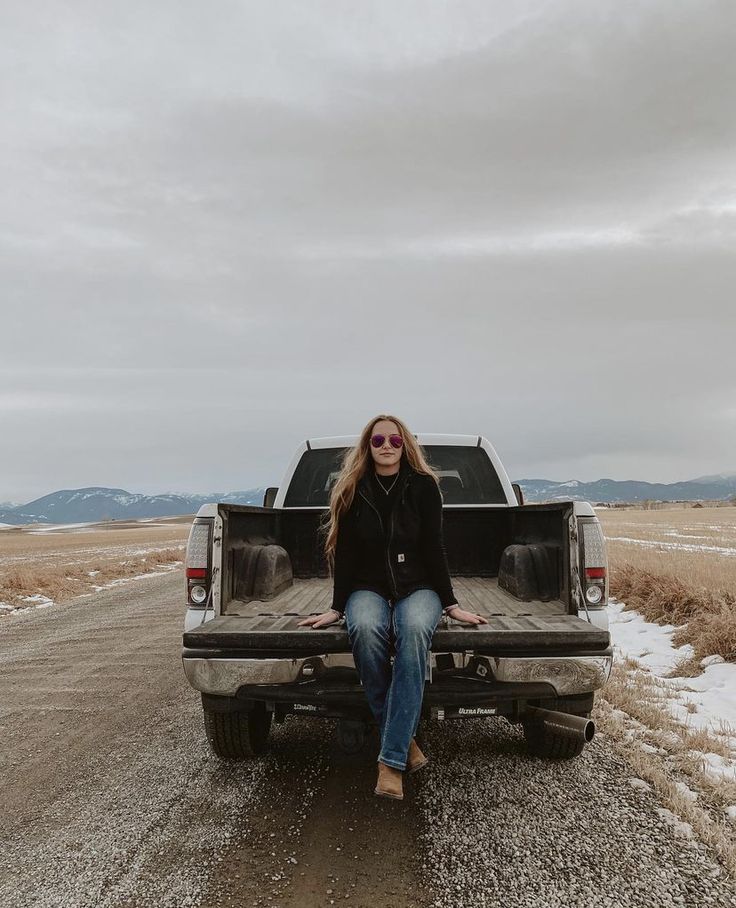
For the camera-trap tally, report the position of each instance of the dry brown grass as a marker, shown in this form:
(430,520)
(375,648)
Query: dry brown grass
(709,615)
(62,566)
(686,668)
(684,543)
(23,545)
(654,570)
(633,707)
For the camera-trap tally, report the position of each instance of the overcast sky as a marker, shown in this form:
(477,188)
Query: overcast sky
(228,227)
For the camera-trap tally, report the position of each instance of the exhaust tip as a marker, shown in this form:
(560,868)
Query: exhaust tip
(565,724)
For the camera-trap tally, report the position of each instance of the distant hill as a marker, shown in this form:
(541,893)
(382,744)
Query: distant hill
(93,504)
(720,487)
(727,478)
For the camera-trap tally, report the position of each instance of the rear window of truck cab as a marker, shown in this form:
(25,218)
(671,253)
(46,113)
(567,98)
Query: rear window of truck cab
(466,474)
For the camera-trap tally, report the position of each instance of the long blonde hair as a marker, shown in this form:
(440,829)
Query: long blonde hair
(355,463)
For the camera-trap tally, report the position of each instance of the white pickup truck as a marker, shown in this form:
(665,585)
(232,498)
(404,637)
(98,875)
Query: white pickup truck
(538,572)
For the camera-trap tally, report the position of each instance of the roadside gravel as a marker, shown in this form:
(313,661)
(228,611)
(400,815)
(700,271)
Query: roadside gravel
(111,796)
(503,829)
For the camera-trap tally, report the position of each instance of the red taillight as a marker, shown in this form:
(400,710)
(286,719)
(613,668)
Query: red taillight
(198,563)
(594,560)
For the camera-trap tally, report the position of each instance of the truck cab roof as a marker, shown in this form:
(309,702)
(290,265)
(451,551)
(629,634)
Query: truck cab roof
(422,438)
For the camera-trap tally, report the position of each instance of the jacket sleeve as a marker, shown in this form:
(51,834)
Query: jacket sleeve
(432,543)
(344,565)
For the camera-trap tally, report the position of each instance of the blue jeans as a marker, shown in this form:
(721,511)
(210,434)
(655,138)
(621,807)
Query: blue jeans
(394,696)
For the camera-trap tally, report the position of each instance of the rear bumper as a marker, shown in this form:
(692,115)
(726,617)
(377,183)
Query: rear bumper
(557,675)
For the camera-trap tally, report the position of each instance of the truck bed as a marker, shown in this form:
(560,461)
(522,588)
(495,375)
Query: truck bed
(258,628)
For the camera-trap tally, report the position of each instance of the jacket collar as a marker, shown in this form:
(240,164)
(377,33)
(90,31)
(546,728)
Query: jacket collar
(405,473)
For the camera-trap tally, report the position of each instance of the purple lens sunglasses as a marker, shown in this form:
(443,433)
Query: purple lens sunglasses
(396,441)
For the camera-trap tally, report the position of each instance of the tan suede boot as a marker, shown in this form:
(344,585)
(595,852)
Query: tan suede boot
(415,758)
(390,782)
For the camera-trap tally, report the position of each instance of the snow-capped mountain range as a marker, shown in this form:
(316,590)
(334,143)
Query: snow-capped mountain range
(720,487)
(95,504)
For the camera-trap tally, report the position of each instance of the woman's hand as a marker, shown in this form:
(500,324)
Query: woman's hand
(322,620)
(459,614)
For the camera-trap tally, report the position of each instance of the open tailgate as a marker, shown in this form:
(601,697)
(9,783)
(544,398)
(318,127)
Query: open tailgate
(278,635)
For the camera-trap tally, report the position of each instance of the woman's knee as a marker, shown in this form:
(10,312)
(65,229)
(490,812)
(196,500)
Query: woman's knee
(417,615)
(367,615)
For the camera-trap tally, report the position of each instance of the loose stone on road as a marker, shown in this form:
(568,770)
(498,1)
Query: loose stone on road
(111,796)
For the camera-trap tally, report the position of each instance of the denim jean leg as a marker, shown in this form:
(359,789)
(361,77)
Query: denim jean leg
(415,618)
(368,622)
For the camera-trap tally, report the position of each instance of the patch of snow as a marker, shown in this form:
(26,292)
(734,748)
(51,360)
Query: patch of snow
(667,738)
(707,526)
(684,830)
(731,813)
(711,660)
(686,792)
(650,644)
(713,692)
(42,601)
(715,766)
(676,546)
(707,701)
(56,527)
(38,601)
(121,580)
(678,535)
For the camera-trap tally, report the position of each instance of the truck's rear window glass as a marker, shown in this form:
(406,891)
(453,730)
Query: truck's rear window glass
(467,476)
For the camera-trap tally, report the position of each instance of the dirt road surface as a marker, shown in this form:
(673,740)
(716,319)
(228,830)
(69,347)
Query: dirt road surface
(111,796)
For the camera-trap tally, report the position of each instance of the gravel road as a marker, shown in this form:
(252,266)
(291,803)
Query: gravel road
(111,797)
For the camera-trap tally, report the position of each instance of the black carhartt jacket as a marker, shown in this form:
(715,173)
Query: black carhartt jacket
(397,559)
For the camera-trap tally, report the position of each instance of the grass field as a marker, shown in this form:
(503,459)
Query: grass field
(678,566)
(693,544)
(42,566)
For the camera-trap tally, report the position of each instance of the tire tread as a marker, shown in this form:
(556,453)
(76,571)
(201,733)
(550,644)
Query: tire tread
(237,735)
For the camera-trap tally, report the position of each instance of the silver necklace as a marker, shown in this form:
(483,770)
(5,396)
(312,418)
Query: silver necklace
(387,490)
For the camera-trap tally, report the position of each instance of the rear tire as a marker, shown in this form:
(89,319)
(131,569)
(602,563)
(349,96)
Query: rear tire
(238,735)
(550,746)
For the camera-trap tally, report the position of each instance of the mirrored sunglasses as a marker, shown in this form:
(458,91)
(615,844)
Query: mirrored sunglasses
(396,441)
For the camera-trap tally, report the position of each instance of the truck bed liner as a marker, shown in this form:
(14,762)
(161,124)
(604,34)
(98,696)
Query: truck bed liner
(481,594)
(512,625)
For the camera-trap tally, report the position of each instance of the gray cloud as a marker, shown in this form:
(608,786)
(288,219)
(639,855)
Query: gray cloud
(227,230)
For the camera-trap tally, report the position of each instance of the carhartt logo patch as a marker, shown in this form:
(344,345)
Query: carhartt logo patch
(401,558)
